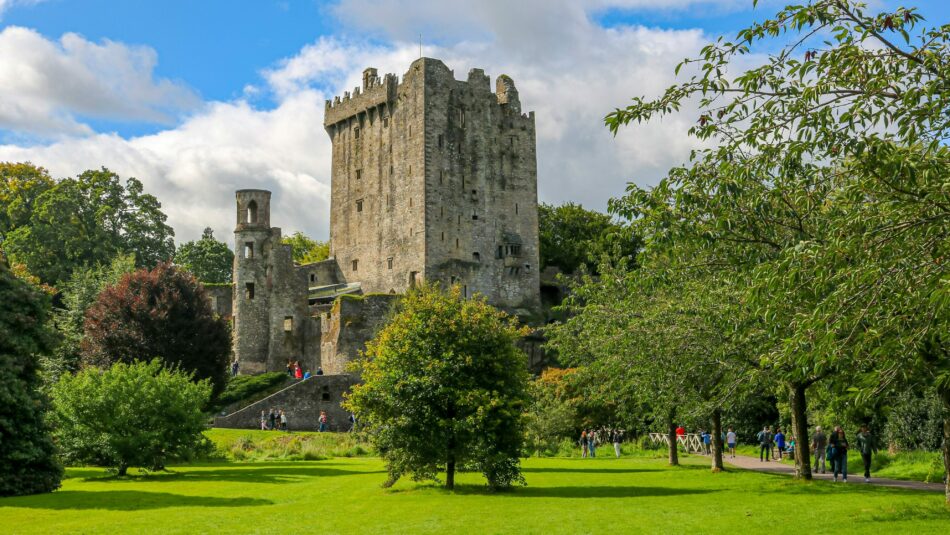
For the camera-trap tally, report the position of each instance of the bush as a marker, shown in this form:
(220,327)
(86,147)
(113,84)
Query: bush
(27,465)
(138,414)
(247,387)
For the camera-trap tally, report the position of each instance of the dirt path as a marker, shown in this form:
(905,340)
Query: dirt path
(753,463)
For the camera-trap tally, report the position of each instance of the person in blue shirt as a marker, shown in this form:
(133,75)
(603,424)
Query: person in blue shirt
(780,442)
(707,442)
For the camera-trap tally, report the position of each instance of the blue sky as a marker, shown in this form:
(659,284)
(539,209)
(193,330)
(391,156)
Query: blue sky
(199,98)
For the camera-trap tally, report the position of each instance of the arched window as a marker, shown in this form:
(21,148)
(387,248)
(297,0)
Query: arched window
(251,212)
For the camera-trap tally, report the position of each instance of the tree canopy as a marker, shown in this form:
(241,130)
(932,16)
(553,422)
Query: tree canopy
(444,387)
(306,250)
(571,236)
(209,260)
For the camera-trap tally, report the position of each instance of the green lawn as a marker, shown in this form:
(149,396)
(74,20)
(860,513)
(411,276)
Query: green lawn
(562,496)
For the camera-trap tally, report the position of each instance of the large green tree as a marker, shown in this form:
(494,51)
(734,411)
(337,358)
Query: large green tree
(27,463)
(162,312)
(444,387)
(571,236)
(84,221)
(208,259)
(20,185)
(825,180)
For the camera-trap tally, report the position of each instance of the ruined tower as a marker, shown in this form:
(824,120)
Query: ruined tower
(269,300)
(435,179)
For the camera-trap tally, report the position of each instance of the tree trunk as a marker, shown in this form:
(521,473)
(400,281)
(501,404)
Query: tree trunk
(945,395)
(717,440)
(671,435)
(122,469)
(800,425)
(450,474)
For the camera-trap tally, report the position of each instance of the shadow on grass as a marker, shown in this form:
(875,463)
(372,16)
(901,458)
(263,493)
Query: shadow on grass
(282,472)
(125,500)
(592,491)
(589,470)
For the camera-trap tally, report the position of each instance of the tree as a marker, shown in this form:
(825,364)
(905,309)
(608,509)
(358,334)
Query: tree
(306,250)
(444,386)
(551,411)
(825,180)
(77,295)
(27,463)
(163,312)
(140,414)
(87,220)
(20,185)
(571,236)
(208,259)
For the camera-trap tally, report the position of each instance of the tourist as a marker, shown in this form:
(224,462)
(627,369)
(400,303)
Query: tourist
(290,368)
(779,441)
(283,420)
(298,371)
(271,419)
(838,443)
(319,370)
(818,444)
(592,443)
(323,421)
(583,443)
(707,442)
(352,422)
(731,442)
(868,447)
(765,443)
(235,366)
(263,420)
(615,437)
(306,374)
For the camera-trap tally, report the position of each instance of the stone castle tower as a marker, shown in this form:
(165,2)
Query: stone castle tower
(435,179)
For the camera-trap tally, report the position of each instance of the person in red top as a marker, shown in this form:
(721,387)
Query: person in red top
(298,371)
(680,432)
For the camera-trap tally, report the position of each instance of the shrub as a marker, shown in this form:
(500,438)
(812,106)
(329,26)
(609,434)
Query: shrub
(138,414)
(246,387)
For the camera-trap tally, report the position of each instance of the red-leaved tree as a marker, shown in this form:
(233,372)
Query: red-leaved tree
(163,312)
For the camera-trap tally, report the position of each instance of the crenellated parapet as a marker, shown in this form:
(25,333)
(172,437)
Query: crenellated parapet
(375,92)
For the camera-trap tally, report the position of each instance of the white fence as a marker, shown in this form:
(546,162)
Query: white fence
(692,443)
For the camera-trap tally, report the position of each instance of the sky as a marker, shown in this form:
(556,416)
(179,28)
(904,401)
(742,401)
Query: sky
(199,99)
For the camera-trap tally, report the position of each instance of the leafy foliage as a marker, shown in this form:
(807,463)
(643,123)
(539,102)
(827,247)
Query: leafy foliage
(571,236)
(551,411)
(27,464)
(444,386)
(208,259)
(20,185)
(163,312)
(242,387)
(138,414)
(86,221)
(306,250)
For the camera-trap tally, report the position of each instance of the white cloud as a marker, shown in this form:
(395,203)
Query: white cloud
(569,70)
(47,88)
(7,4)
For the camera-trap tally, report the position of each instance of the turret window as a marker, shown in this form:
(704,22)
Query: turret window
(288,324)
(249,249)
(355,264)
(251,214)
(359,205)
(249,291)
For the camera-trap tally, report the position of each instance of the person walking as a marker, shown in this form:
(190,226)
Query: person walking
(290,368)
(352,422)
(707,442)
(323,421)
(271,420)
(583,443)
(731,442)
(298,371)
(283,420)
(263,420)
(765,443)
(235,366)
(839,448)
(818,443)
(592,443)
(615,437)
(867,445)
(780,441)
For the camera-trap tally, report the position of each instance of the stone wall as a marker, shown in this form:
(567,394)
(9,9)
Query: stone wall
(351,323)
(302,402)
(221,296)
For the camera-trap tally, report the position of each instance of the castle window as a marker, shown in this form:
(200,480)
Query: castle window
(461,117)
(516,208)
(511,141)
(288,324)
(359,174)
(359,205)
(515,250)
(410,202)
(441,141)
(356,264)
(389,262)
(443,236)
(474,217)
(249,290)
(476,257)
(313,278)
(441,176)
(356,133)
(249,249)
(385,122)
(441,211)
(251,215)
(391,170)
(325,396)
(410,130)
(500,253)
(456,243)
(527,267)
(460,220)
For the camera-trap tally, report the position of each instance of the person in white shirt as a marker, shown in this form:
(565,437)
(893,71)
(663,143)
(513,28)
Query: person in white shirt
(731,442)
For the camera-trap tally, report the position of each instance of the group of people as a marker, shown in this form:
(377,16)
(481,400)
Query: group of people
(275,420)
(296,371)
(834,449)
(591,438)
(769,441)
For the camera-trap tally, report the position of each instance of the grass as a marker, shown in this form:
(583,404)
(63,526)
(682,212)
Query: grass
(256,445)
(246,389)
(630,495)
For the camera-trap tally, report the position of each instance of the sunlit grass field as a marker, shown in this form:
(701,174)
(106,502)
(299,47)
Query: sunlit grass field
(343,495)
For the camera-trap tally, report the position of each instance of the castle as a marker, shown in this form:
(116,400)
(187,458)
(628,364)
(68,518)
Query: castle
(432,179)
